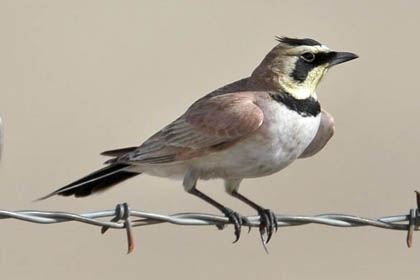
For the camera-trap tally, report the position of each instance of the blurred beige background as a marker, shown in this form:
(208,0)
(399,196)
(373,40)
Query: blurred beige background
(80,77)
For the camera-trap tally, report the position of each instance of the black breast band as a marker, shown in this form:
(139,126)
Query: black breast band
(308,107)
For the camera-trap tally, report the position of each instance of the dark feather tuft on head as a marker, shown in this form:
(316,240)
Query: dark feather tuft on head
(298,42)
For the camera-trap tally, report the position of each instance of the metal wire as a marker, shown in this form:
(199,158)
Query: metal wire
(409,222)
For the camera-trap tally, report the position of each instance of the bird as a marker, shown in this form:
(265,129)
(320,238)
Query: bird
(250,128)
(1,137)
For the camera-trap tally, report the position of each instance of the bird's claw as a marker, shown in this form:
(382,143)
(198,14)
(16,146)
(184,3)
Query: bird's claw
(268,223)
(237,221)
(246,222)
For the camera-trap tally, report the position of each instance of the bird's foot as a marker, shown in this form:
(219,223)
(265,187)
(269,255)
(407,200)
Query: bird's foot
(237,221)
(268,223)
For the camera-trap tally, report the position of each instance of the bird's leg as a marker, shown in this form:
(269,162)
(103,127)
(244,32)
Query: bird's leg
(190,181)
(234,217)
(268,220)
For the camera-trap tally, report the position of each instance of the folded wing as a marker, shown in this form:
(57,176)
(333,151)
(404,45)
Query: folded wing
(211,124)
(325,132)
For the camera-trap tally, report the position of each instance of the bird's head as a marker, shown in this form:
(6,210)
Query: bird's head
(297,66)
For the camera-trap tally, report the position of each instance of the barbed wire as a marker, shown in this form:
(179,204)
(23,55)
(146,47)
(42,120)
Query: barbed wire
(122,219)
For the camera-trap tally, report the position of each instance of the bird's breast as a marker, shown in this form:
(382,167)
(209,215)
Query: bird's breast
(288,132)
(282,137)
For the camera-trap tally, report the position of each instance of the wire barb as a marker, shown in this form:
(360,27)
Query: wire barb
(121,219)
(122,212)
(414,221)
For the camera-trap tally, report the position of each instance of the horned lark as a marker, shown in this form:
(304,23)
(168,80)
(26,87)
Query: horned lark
(250,128)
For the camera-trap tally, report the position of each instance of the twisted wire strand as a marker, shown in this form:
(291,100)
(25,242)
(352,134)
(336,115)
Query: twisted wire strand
(122,218)
(202,219)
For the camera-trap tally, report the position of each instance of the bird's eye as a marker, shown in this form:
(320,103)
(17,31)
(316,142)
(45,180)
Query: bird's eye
(308,57)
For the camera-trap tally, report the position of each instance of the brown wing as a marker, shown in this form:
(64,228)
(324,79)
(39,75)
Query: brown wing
(209,125)
(324,134)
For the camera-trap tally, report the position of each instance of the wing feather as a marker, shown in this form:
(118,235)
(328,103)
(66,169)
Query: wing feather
(209,125)
(325,132)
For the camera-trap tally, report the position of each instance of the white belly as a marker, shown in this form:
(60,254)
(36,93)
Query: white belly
(283,136)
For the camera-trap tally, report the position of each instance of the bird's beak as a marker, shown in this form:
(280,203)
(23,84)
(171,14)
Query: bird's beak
(340,57)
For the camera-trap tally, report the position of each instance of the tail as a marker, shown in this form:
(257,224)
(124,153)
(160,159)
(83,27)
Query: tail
(99,180)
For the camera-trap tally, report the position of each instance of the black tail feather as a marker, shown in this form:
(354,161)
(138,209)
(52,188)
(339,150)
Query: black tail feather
(118,152)
(99,180)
